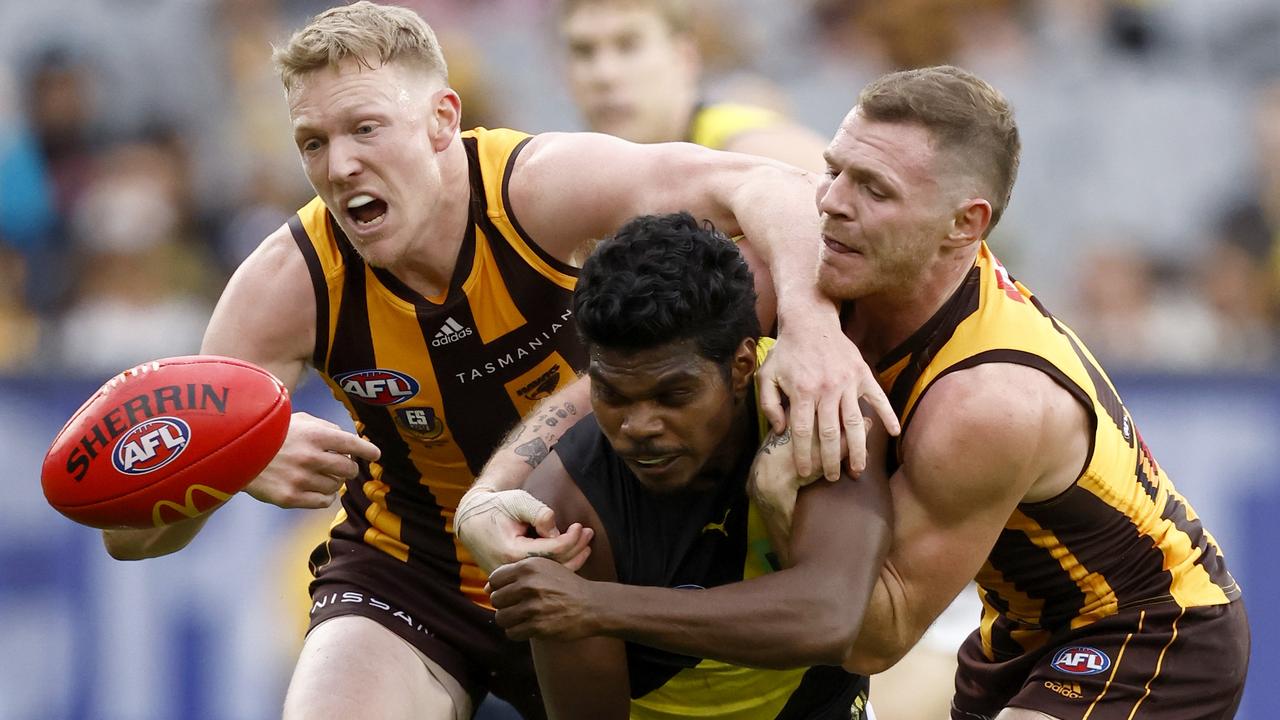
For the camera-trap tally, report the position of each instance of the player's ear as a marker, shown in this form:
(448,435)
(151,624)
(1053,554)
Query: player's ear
(446,114)
(743,365)
(970,221)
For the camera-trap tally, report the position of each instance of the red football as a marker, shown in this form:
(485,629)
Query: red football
(166,440)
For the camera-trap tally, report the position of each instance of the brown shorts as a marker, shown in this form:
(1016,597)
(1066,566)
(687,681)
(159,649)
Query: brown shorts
(1151,663)
(428,611)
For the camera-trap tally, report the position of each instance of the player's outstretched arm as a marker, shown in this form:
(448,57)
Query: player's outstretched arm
(266,315)
(568,188)
(495,514)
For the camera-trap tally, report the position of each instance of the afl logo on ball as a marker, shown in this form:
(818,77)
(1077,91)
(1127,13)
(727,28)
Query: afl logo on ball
(378,386)
(150,445)
(1080,660)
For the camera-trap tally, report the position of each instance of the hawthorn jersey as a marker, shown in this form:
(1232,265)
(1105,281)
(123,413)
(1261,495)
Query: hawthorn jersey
(435,382)
(1121,537)
(694,542)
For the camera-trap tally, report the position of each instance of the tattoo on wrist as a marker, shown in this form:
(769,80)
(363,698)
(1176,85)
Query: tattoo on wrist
(533,452)
(775,441)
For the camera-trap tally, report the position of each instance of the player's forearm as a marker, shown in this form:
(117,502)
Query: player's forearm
(772,622)
(801,616)
(807,614)
(776,214)
(531,441)
(140,544)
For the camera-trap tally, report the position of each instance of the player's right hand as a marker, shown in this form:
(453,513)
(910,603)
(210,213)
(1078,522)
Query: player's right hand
(494,526)
(316,459)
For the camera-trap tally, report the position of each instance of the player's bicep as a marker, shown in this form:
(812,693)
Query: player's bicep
(568,188)
(969,458)
(267,312)
(584,679)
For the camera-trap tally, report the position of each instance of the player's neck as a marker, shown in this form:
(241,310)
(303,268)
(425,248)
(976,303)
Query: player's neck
(428,265)
(882,322)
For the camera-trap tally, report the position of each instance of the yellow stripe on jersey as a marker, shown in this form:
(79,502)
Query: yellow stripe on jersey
(714,125)
(499,166)
(723,692)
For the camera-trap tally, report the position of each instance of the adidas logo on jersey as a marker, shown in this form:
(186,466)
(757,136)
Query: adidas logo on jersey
(449,332)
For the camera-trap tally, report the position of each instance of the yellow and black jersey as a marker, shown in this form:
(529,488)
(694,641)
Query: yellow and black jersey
(692,542)
(714,124)
(435,382)
(1120,537)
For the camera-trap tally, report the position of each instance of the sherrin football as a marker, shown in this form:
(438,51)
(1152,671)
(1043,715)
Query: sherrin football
(165,441)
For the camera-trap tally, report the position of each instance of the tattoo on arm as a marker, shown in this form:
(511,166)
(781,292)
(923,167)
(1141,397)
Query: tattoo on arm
(533,452)
(776,441)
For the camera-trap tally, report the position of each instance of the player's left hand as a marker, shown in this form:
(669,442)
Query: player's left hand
(823,376)
(538,597)
(494,526)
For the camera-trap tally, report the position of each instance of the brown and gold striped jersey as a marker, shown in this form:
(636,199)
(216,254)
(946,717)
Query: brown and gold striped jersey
(436,382)
(1120,537)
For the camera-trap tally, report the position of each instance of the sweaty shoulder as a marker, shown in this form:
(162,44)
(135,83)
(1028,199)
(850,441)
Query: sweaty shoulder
(997,430)
(267,312)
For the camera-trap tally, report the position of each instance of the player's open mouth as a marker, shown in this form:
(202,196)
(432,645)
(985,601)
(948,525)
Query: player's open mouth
(366,210)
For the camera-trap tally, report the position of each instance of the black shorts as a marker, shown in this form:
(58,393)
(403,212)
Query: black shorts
(1161,662)
(431,613)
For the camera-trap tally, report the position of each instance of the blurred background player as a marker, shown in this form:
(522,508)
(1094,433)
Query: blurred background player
(635,71)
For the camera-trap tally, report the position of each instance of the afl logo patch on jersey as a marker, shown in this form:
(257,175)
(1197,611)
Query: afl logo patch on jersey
(150,445)
(377,386)
(1081,660)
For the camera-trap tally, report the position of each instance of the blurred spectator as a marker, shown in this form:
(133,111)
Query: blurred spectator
(1235,281)
(60,103)
(19,327)
(1135,312)
(142,292)
(27,214)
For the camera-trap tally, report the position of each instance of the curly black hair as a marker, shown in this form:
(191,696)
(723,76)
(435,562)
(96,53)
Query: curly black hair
(662,279)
